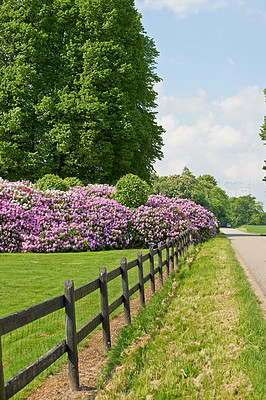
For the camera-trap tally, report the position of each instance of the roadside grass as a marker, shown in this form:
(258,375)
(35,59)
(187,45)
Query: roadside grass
(203,336)
(257,229)
(28,279)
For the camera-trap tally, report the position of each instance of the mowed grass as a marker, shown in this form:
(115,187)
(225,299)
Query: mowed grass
(28,279)
(257,229)
(203,336)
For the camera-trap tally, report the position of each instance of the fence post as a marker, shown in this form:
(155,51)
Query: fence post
(71,336)
(181,245)
(141,283)
(125,290)
(152,269)
(167,257)
(176,250)
(2,381)
(160,261)
(104,308)
(172,253)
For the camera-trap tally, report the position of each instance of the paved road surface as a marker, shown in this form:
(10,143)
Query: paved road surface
(251,251)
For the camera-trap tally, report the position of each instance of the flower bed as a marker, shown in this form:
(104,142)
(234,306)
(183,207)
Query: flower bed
(87,218)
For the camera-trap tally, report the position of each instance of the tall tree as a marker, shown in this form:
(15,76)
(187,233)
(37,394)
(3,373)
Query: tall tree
(76,90)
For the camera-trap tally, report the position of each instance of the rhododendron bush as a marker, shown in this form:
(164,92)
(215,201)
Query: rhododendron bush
(163,217)
(87,218)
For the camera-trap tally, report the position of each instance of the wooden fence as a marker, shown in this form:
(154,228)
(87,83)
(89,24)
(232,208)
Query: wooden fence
(174,247)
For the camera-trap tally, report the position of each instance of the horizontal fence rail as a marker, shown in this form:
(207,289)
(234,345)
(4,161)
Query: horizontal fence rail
(174,248)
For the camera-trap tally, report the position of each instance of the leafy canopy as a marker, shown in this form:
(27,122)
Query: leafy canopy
(76,90)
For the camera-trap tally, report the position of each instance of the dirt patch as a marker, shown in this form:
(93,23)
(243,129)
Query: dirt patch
(91,361)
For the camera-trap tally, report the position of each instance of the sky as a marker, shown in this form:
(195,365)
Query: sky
(211,99)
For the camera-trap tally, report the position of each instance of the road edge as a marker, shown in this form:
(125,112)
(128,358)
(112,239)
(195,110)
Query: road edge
(254,285)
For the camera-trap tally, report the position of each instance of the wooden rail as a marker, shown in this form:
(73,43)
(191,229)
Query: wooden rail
(174,248)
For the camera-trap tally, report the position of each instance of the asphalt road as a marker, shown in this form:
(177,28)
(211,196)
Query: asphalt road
(251,252)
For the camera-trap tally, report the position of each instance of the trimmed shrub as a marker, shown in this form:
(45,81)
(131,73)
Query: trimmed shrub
(73,181)
(131,191)
(51,182)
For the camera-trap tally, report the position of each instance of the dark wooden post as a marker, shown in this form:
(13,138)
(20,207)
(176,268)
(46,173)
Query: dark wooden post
(125,290)
(2,381)
(152,269)
(71,336)
(167,257)
(172,253)
(141,283)
(176,250)
(104,308)
(181,244)
(160,261)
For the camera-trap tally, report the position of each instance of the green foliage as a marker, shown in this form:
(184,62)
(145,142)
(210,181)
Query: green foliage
(207,181)
(245,210)
(76,90)
(73,181)
(51,182)
(184,186)
(131,191)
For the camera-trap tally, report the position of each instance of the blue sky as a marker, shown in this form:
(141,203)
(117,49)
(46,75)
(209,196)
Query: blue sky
(211,101)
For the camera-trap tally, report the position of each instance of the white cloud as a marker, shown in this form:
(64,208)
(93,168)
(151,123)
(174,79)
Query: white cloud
(231,61)
(259,14)
(219,137)
(182,7)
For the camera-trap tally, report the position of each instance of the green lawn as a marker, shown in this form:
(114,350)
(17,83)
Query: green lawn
(257,229)
(202,337)
(27,279)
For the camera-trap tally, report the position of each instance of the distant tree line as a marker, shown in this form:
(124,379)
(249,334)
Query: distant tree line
(76,91)
(204,191)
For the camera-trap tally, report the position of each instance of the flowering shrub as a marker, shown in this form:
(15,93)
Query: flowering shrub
(87,218)
(54,221)
(163,217)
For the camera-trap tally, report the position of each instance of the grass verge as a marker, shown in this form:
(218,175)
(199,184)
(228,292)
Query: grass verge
(203,336)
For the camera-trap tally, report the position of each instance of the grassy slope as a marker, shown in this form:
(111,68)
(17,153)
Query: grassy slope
(203,337)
